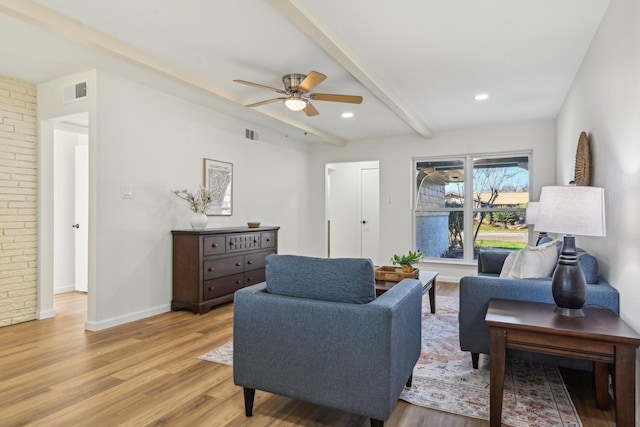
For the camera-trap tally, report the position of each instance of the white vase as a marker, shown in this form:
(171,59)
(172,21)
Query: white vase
(198,221)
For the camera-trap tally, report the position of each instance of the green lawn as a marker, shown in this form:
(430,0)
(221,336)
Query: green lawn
(500,244)
(500,229)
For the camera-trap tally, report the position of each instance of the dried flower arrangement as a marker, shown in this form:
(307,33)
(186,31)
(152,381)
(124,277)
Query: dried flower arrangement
(199,201)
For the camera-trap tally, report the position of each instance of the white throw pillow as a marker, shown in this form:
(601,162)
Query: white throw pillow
(539,261)
(511,266)
(532,261)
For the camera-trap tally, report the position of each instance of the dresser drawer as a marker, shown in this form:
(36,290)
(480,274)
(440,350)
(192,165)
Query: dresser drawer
(223,267)
(243,242)
(213,245)
(223,286)
(255,261)
(268,240)
(254,276)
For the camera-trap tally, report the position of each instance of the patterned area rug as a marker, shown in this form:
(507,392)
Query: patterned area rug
(443,379)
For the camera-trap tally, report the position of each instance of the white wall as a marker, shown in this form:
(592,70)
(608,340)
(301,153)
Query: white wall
(156,143)
(605,101)
(396,174)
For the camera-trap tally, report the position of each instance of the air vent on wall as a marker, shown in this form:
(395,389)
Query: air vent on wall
(251,134)
(75,92)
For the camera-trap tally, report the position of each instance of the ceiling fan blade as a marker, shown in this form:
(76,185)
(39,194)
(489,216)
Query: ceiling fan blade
(244,82)
(310,110)
(268,101)
(312,80)
(351,99)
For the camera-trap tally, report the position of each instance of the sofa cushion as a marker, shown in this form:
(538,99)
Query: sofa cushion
(589,266)
(350,280)
(532,261)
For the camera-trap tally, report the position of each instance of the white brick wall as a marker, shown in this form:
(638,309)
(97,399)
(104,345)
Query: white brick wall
(18,201)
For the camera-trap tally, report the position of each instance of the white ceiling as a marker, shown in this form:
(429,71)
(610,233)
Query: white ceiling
(417,63)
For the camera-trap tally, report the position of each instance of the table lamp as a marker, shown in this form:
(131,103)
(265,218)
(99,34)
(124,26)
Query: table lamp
(570,210)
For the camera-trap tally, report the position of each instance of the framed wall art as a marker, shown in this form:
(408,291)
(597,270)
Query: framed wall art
(218,178)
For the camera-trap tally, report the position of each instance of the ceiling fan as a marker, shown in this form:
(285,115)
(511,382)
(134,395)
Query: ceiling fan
(296,88)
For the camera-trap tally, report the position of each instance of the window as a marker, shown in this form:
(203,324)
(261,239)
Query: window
(484,194)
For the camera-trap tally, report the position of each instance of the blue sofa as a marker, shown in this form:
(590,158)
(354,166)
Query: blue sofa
(477,290)
(315,331)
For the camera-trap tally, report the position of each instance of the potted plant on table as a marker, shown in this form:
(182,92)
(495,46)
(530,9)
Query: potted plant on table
(199,203)
(407,261)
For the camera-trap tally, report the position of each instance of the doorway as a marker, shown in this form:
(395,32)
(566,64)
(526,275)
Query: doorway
(353,210)
(70,203)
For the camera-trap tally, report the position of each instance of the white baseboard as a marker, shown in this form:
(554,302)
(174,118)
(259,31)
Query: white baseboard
(64,289)
(45,314)
(448,279)
(121,320)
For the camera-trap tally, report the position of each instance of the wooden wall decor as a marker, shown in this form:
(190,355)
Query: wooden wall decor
(583,161)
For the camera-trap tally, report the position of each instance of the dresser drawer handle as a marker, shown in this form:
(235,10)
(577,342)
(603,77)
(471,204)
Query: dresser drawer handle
(268,240)
(238,264)
(249,262)
(238,282)
(211,268)
(215,245)
(210,288)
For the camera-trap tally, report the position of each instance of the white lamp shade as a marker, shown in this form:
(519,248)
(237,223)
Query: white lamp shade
(571,210)
(531,215)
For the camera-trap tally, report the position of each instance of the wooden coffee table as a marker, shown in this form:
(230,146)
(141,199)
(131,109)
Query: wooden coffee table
(428,279)
(600,336)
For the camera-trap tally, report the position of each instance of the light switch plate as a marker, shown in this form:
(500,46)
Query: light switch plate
(126,191)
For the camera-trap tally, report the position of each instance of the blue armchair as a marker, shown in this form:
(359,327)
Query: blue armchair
(315,331)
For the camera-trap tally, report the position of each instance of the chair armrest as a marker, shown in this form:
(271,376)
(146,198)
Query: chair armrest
(475,293)
(490,261)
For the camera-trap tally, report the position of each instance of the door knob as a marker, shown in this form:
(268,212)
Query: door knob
(76,225)
(364,222)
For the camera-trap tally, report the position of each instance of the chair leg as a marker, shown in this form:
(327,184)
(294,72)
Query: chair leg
(409,380)
(475,357)
(376,423)
(249,394)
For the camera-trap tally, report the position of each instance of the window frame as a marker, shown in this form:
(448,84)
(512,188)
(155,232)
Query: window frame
(468,209)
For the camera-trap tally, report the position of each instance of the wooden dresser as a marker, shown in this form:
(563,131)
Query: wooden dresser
(210,265)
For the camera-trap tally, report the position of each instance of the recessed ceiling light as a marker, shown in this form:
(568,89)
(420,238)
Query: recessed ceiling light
(347,115)
(481,97)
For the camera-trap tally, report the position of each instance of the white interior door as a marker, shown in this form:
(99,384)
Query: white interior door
(82,214)
(370,213)
(344,211)
(353,197)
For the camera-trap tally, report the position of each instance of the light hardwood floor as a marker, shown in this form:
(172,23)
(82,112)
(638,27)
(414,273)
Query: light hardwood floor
(146,373)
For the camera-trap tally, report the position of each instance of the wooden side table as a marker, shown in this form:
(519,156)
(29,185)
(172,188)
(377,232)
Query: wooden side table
(428,279)
(600,336)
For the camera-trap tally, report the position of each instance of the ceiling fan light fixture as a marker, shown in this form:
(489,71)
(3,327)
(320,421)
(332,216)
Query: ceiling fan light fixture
(295,103)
